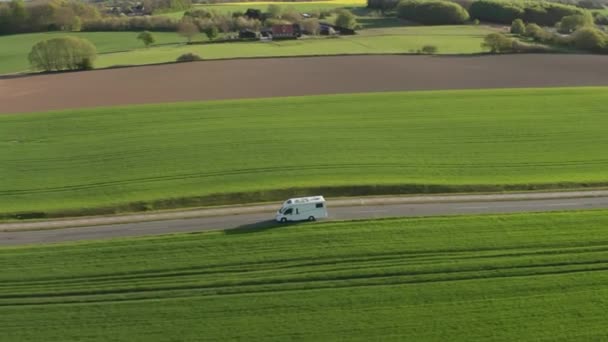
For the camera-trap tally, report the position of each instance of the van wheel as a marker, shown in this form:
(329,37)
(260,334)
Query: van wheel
(283,220)
(311,218)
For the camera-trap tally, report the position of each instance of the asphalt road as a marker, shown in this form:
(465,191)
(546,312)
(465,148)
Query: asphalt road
(264,219)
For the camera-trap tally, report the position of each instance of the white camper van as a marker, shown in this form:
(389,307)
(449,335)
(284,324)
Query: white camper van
(303,208)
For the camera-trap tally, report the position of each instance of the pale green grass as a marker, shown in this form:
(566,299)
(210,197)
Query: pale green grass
(15,48)
(533,277)
(122,48)
(448,39)
(304,6)
(92,158)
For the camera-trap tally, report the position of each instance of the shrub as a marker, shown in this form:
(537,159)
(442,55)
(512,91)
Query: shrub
(189,57)
(187,29)
(67,53)
(548,13)
(505,12)
(346,19)
(591,4)
(497,43)
(537,33)
(311,26)
(147,38)
(432,12)
(572,23)
(600,19)
(589,38)
(518,27)
(429,49)
(496,11)
(274,11)
(212,32)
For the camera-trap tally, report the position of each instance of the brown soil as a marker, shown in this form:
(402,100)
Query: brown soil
(248,78)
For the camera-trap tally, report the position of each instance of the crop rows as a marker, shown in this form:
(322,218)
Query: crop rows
(476,275)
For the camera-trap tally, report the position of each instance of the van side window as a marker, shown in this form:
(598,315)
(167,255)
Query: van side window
(319,205)
(288,211)
(297,211)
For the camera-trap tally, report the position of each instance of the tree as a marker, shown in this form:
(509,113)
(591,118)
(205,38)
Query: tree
(432,12)
(188,29)
(518,27)
(572,23)
(497,42)
(346,19)
(537,33)
(274,11)
(66,53)
(66,19)
(147,38)
(589,38)
(212,32)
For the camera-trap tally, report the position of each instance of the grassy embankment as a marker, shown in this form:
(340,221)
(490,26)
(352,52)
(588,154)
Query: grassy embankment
(122,48)
(172,155)
(491,278)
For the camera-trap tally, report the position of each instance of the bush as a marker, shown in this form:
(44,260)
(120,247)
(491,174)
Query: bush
(346,19)
(537,33)
(274,11)
(189,57)
(572,23)
(548,13)
(496,11)
(311,26)
(67,53)
(432,12)
(429,49)
(212,32)
(600,19)
(497,43)
(518,27)
(590,39)
(505,12)
(147,38)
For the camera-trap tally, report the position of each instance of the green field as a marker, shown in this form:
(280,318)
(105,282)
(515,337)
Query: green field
(156,155)
(301,6)
(448,39)
(15,48)
(122,48)
(489,278)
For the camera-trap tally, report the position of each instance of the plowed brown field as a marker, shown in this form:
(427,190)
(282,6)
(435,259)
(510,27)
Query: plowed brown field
(248,78)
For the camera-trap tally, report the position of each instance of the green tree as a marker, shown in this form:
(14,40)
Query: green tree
(572,23)
(274,11)
(186,28)
(66,53)
(147,38)
(590,38)
(497,43)
(518,27)
(212,32)
(346,19)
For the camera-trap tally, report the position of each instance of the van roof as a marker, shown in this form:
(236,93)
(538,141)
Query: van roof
(302,200)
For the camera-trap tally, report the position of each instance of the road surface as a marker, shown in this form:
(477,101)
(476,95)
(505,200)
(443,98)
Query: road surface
(409,207)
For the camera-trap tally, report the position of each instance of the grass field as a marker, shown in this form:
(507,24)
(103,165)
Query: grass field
(15,48)
(153,156)
(493,278)
(448,39)
(302,6)
(122,48)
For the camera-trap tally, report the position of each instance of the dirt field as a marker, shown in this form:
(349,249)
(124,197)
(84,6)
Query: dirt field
(294,76)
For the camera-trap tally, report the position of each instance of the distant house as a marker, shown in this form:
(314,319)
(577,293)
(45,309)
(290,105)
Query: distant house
(288,31)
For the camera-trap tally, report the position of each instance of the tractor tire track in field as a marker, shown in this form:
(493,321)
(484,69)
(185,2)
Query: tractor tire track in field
(295,76)
(325,273)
